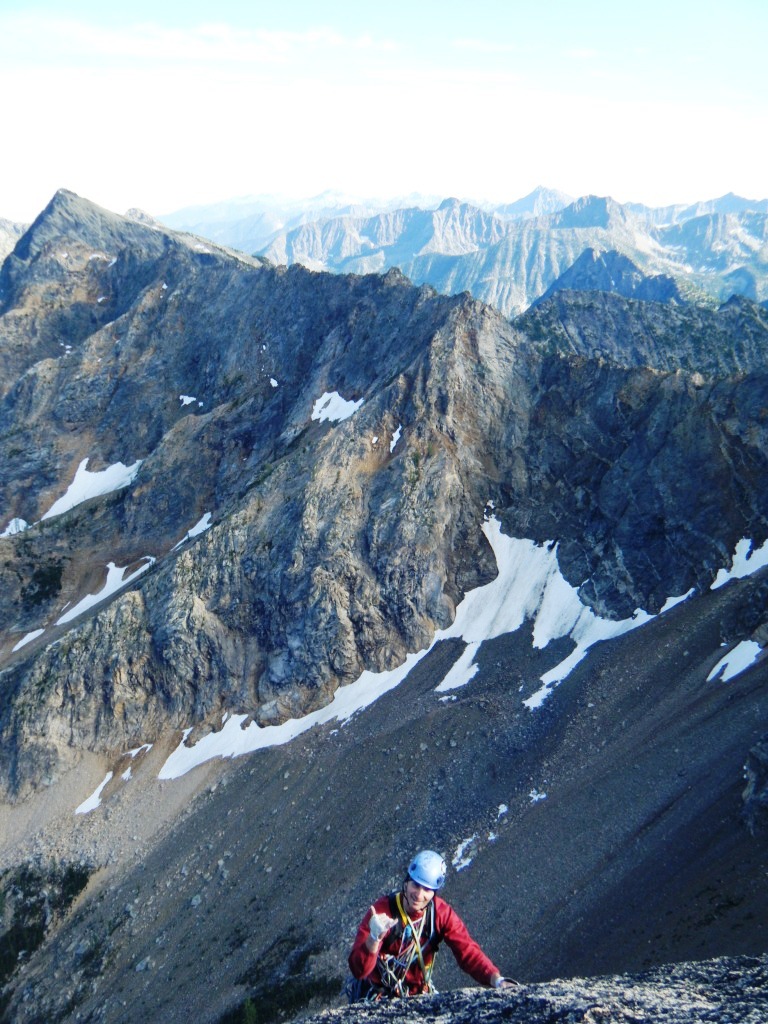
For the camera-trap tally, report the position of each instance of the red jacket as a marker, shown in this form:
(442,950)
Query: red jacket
(448,927)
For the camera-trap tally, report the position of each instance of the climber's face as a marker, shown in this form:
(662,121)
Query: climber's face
(417,897)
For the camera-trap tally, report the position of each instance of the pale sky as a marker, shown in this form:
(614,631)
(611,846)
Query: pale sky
(166,105)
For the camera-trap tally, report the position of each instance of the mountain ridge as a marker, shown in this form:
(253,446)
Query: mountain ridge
(727,989)
(277,479)
(313,479)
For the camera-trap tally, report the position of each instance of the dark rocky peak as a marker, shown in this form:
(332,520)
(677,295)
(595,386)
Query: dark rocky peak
(79,268)
(591,212)
(661,336)
(742,305)
(612,271)
(75,242)
(395,278)
(68,216)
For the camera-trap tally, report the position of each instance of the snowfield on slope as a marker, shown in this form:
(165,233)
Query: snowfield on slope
(528,587)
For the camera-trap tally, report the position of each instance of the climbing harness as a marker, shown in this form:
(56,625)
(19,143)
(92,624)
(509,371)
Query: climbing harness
(394,967)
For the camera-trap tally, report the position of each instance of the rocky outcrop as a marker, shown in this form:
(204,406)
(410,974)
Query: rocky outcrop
(612,272)
(704,345)
(725,990)
(755,794)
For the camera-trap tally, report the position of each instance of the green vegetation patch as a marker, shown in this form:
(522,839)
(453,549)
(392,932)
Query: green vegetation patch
(43,584)
(281,984)
(32,899)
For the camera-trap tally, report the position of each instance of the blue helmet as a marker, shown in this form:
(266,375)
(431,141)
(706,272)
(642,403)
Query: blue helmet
(428,869)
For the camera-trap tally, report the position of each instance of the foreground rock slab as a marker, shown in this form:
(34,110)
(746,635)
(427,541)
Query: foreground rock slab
(731,989)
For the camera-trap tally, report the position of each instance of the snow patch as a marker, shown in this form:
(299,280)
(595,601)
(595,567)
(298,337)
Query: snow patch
(745,562)
(88,485)
(395,438)
(672,601)
(464,853)
(115,582)
(144,748)
(28,639)
(200,526)
(331,406)
(462,671)
(15,526)
(528,587)
(235,739)
(735,661)
(94,800)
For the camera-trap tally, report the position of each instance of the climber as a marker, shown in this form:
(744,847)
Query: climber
(395,947)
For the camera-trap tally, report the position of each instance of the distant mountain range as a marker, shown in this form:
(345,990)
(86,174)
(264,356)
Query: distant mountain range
(509,263)
(10,232)
(250,223)
(508,255)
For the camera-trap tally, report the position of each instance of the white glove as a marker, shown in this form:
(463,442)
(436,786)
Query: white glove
(379,925)
(501,982)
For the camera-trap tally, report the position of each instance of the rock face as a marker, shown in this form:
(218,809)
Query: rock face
(612,272)
(334,547)
(720,990)
(755,794)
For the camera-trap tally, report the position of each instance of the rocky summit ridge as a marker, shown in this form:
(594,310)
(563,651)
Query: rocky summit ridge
(723,990)
(233,492)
